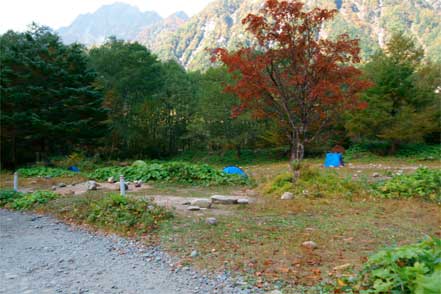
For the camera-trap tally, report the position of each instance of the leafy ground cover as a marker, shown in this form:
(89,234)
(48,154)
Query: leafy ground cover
(109,212)
(177,172)
(44,171)
(21,201)
(424,183)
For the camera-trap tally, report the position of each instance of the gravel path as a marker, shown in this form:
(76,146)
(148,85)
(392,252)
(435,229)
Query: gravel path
(42,255)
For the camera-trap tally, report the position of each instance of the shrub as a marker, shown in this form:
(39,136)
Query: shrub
(424,183)
(44,171)
(179,172)
(414,268)
(29,200)
(8,196)
(314,182)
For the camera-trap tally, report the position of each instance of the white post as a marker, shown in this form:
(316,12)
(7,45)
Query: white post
(16,182)
(122,186)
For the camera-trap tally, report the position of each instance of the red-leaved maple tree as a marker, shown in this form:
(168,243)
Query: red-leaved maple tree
(292,74)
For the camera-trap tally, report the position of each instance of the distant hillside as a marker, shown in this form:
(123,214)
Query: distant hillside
(372,21)
(119,19)
(219,25)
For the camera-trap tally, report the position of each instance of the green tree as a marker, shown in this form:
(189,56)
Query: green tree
(213,123)
(49,104)
(402,106)
(130,76)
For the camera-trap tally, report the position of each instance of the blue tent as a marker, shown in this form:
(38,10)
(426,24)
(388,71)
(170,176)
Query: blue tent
(234,170)
(73,168)
(333,160)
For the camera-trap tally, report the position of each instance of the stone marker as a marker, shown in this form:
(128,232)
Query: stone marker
(203,203)
(287,196)
(223,199)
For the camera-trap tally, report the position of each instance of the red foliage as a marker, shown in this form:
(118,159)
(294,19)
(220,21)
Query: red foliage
(291,73)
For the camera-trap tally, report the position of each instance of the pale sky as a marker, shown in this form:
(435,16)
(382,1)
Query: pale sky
(17,14)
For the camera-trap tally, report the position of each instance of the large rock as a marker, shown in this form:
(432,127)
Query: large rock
(203,203)
(287,196)
(92,185)
(221,199)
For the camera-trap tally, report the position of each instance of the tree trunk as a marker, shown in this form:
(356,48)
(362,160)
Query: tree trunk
(296,157)
(394,147)
(238,151)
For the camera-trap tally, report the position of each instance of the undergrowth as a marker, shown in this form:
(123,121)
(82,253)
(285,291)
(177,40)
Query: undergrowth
(44,171)
(22,201)
(314,182)
(424,183)
(111,212)
(177,172)
(414,268)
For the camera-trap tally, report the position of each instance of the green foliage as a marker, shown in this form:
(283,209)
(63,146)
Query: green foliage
(8,196)
(380,148)
(125,214)
(403,102)
(177,172)
(314,182)
(22,201)
(414,268)
(49,102)
(43,171)
(424,183)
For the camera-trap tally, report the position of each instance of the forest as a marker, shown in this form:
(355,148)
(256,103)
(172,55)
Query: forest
(118,101)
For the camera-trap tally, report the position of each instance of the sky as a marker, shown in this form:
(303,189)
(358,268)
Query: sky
(17,14)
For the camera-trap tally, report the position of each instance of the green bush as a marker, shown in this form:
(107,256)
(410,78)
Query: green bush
(314,182)
(8,196)
(29,200)
(374,149)
(44,171)
(424,183)
(414,268)
(179,172)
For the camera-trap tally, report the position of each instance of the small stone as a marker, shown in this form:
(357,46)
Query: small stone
(287,196)
(243,201)
(194,253)
(211,221)
(61,185)
(376,175)
(138,183)
(54,188)
(223,199)
(111,180)
(194,208)
(309,244)
(202,203)
(186,203)
(91,185)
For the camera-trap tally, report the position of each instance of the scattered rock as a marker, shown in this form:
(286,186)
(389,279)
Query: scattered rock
(376,175)
(309,244)
(243,201)
(287,196)
(91,185)
(138,183)
(194,253)
(203,203)
(186,203)
(61,185)
(342,267)
(223,199)
(211,221)
(54,188)
(111,180)
(194,208)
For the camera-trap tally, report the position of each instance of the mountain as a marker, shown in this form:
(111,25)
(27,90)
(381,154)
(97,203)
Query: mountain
(119,19)
(372,21)
(155,35)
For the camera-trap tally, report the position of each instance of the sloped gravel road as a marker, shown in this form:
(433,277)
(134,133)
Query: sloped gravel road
(39,254)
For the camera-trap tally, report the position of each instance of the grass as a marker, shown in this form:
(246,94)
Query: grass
(264,241)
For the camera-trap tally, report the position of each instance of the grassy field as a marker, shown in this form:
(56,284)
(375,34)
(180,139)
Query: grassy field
(263,241)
